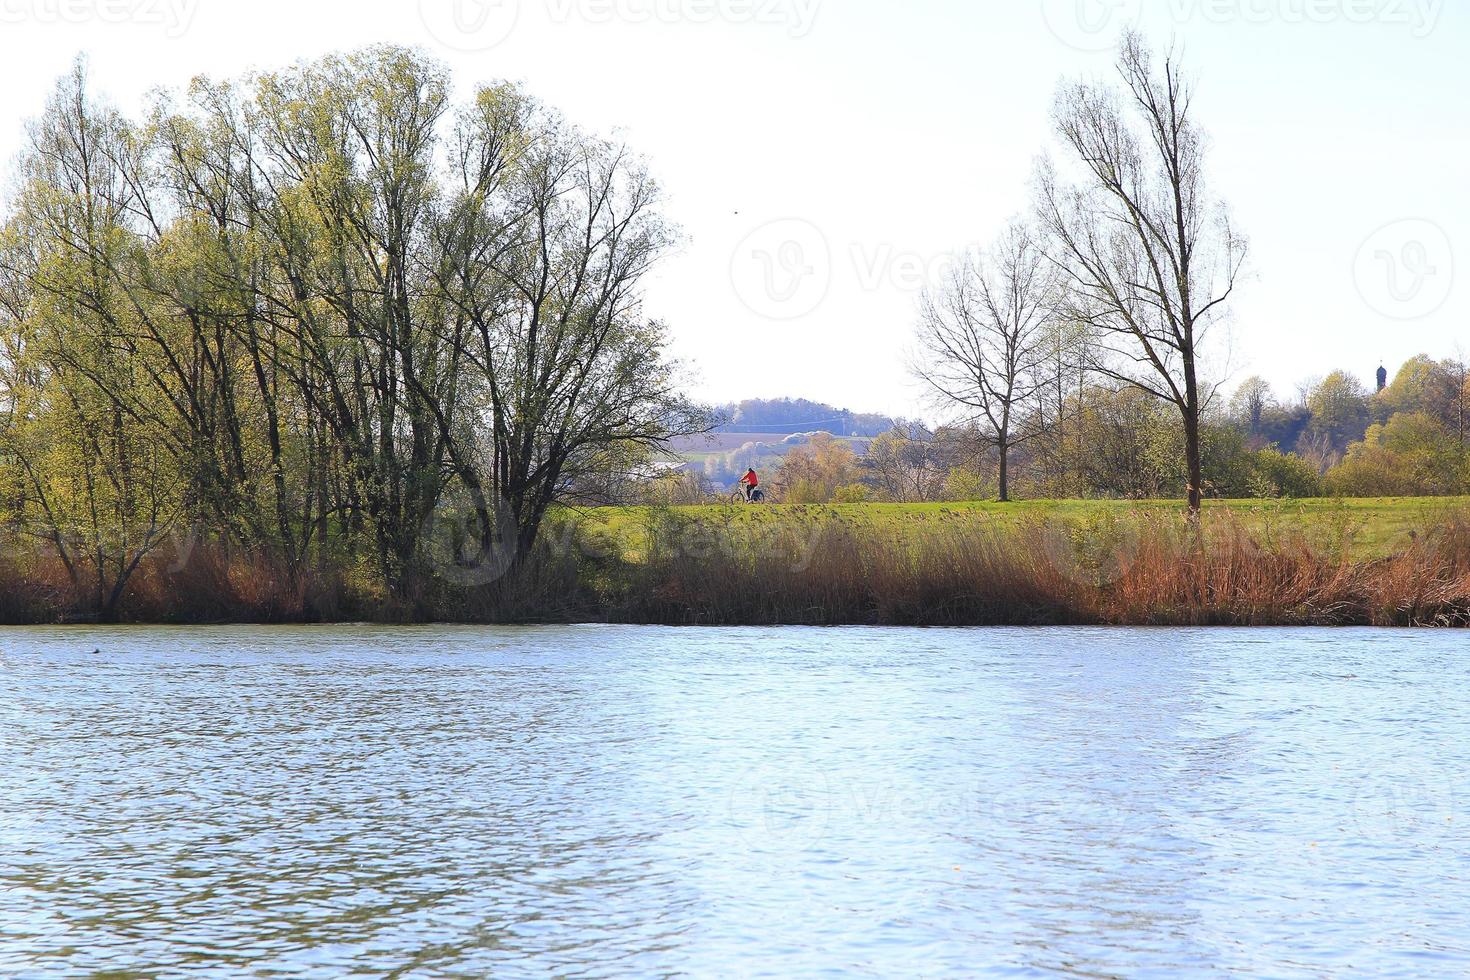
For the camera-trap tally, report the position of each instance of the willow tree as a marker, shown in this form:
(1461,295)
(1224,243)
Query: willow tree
(263,452)
(543,252)
(92,471)
(133,224)
(1149,256)
(346,150)
(336,301)
(455,292)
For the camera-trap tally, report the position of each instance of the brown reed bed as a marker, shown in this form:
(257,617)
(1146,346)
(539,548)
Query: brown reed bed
(1132,570)
(812,567)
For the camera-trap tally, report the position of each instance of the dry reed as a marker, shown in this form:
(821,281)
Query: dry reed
(814,567)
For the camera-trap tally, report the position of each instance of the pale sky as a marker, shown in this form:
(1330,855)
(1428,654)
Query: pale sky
(857,143)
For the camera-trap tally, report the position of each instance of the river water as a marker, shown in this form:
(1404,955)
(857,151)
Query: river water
(609,801)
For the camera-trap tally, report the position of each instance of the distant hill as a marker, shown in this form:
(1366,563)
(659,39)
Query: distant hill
(721,457)
(784,416)
(699,448)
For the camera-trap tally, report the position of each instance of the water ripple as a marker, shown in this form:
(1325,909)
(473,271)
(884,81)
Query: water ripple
(601,802)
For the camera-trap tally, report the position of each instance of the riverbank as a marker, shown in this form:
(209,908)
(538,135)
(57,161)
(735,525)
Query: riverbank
(1318,563)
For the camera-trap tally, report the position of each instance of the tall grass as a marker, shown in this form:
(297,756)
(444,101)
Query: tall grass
(818,567)
(1130,570)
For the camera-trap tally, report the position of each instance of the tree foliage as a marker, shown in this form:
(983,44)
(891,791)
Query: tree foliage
(327,309)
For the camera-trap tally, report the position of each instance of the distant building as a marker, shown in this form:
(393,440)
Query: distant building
(1382,377)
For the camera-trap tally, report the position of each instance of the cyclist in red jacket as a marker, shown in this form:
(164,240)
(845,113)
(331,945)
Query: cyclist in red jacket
(749,482)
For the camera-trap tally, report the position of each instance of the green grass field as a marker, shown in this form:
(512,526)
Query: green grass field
(1367,527)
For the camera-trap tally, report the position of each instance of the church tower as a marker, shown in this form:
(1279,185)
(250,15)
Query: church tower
(1382,377)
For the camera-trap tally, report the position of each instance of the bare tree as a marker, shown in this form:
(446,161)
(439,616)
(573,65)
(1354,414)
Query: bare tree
(1457,372)
(986,341)
(1250,403)
(908,465)
(1150,258)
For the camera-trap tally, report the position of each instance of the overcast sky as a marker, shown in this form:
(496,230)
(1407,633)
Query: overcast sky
(823,157)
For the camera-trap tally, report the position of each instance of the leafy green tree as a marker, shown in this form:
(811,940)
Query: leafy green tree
(969,483)
(1411,455)
(1411,388)
(1250,405)
(1275,474)
(327,301)
(1437,388)
(1226,461)
(1340,410)
(1133,445)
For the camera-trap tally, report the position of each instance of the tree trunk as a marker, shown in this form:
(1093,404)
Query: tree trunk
(1192,459)
(1005,471)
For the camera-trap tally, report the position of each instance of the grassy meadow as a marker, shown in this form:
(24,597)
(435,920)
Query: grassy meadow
(1368,528)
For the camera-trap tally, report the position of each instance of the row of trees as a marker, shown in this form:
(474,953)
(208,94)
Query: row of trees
(1335,437)
(785,415)
(1331,413)
(1119,277)
(1411,438)
(1110,443)
(1085,320)
(321,312)
(1070,356)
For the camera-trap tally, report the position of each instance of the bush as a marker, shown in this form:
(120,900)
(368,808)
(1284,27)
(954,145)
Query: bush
(1226,461)
(965,483)
(1276,474)
(1412,455)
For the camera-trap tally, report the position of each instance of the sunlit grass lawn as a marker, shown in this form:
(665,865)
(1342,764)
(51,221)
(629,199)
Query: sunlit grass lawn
(1369,527)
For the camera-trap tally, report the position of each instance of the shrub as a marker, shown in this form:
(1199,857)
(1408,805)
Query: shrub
(966,483)
(1411,455)
(1276,474)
